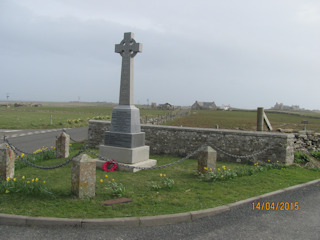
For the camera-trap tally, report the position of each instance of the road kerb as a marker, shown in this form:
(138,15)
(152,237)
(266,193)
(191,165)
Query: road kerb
(242,202)
(165,219)
(111,222)
(208,212)
(13,220)
(53,222)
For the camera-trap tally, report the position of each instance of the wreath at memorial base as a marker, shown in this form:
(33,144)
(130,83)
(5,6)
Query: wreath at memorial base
(110,165)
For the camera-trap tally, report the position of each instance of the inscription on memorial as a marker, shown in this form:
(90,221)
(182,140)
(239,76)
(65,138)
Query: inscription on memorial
(121,121)
(125,140)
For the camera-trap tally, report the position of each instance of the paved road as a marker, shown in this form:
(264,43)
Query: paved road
(239,223)
(31,140)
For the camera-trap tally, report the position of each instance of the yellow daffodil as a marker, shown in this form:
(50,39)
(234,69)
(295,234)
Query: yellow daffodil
(7,191)
(32,180)
(224,167)
(112,179)
(37,179)
(8,179)
(22,154)
(205,168)
(268,160)
(160,174)
(101,180)
(106,176)
(14,179)
(23,177)
(164,175)
(218,169)
(28,182)
(44,182)
(210,169)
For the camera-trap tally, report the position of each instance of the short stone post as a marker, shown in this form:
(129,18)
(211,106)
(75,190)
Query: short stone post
(7,158)
(83,176)
(62,145)
(207,159)
(260,119)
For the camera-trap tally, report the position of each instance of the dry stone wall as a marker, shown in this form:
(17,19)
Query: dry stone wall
(306,141)
(230,145)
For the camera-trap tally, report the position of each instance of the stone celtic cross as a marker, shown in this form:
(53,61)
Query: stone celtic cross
(127,48)
(124,142)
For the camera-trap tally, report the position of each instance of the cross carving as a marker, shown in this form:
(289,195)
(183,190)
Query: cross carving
(128,48)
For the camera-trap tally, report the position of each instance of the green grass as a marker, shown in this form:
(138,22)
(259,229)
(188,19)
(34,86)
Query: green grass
(189,192)
(28,117)
(76,115)
(245,120)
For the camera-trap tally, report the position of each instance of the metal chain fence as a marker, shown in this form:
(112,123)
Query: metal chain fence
(43,167)
(16,150)
(243,156)
(154,167)
(21,151)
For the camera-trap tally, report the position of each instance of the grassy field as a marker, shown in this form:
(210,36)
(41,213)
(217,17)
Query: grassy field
(188,193)
(63,115)
(76,114)
(246,120)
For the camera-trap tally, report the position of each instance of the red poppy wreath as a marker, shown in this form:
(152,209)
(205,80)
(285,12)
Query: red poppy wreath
(110,165)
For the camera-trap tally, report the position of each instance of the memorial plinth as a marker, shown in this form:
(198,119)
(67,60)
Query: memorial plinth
(125,142)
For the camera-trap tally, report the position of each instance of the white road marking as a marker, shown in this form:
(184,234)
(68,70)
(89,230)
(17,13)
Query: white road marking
(29,133)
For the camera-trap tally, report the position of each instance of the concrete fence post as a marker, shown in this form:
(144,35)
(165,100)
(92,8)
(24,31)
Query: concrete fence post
(7,158)
(62,145)
(207,159)
(83,176)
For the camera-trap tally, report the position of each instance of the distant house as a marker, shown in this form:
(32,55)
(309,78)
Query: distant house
(166,106)
(204,106)
(226,107)
(280,106)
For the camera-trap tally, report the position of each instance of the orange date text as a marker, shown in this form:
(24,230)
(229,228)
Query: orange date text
(278,206)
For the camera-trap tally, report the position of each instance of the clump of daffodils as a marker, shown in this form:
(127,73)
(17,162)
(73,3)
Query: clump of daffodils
(163,183)
(222,173)
(25,186)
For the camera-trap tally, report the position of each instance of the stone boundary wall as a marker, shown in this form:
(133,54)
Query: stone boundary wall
(180,141)
(307,141)
(164,118)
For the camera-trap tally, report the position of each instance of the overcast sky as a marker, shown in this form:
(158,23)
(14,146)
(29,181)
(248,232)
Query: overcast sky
(244,53)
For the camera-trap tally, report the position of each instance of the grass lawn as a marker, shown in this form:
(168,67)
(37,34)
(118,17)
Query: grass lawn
(188,193)
(28,117)
(246,120)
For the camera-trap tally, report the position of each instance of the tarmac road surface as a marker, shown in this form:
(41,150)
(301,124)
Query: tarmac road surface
(31,140)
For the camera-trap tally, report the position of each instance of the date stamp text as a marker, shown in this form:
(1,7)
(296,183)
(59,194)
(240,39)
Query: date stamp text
(277,206)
